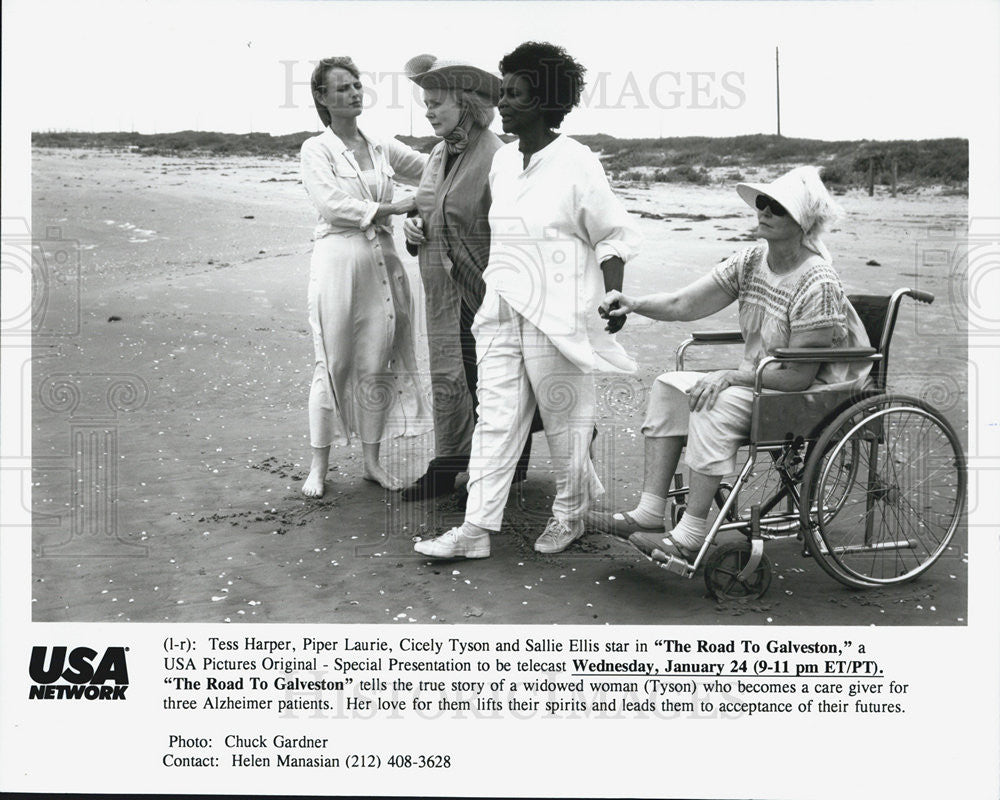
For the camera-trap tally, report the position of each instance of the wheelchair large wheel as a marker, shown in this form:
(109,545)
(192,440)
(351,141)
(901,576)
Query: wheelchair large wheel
(842,472)
(722,569)
(903,502)
(761,487)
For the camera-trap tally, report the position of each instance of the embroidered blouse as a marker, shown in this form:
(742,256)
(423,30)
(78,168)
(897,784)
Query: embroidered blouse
(772,307)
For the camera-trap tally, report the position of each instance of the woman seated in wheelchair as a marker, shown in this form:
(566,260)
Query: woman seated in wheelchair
(789,296)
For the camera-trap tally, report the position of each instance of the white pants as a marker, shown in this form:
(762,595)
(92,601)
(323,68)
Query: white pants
(520,368)
(713,435)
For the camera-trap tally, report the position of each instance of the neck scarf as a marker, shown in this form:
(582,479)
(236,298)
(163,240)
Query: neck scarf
(458,139)
(815,244)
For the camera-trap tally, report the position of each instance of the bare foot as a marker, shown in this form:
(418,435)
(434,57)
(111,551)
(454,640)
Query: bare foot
(376,474)
(313,487)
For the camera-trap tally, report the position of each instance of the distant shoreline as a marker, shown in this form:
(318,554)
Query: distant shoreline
(689,159)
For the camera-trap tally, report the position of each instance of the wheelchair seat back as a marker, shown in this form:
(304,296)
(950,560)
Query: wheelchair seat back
(874,312)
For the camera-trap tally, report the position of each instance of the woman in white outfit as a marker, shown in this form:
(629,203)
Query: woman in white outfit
(559,240)
(789,296)
(364,382)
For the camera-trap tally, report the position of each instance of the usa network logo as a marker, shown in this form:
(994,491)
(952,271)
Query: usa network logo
(59,673)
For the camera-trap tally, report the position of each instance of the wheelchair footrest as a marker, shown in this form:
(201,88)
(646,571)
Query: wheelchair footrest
(903,544)
(678,566)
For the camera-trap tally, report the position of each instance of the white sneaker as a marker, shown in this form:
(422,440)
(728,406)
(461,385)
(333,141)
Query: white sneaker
(558,535)
(456,543)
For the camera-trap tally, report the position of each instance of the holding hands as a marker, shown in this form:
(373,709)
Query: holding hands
(413,230)
(616,304)
(614,309)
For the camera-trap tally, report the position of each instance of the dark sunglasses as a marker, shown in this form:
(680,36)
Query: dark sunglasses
(763,201)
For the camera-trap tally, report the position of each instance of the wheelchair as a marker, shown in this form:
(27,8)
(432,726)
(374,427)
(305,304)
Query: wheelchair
(871,482)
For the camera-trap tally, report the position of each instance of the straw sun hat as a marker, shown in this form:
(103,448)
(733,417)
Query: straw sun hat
(430,72)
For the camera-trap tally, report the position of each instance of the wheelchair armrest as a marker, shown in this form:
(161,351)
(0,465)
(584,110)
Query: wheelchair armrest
(789,354)
(824,353)
(706,337)
(732,337)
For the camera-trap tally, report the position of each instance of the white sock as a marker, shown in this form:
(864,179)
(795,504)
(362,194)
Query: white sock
(650,511)
(474,531)
(690,532)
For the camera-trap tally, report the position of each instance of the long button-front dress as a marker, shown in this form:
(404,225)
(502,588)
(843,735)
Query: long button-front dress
(360,309)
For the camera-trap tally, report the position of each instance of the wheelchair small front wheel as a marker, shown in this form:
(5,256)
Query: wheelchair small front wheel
(723,568)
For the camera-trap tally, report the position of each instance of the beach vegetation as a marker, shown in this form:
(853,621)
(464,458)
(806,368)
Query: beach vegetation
(691,159)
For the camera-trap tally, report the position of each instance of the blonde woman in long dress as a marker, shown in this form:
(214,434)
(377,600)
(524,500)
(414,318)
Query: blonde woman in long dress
(364,381)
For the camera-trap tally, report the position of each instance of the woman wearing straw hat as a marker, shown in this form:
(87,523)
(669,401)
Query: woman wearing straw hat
(789,296)
(559,241)
(364,380)
(451,235)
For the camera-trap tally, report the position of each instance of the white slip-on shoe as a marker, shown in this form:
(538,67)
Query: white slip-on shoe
(456,543)
(558,535)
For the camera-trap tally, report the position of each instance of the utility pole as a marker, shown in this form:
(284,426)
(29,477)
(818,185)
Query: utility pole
(777,87)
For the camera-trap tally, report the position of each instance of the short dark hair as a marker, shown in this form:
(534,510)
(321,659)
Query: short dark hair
(318,80)
(555,77)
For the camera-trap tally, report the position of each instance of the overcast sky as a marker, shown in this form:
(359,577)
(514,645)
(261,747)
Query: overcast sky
(849,70)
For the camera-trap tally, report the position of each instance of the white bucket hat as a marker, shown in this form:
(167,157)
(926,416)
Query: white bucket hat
(430,72)
(806,199)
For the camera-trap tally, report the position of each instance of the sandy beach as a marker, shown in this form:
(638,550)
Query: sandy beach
(191,364)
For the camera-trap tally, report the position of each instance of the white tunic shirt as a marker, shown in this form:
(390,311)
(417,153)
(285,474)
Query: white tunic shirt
(551,225)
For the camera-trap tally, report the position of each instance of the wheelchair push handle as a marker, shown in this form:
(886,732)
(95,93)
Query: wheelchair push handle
(919,296)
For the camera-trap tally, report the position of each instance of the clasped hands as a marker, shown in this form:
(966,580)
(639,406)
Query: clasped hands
(614,309)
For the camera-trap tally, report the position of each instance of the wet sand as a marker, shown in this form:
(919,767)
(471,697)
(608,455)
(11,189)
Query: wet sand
(188,508)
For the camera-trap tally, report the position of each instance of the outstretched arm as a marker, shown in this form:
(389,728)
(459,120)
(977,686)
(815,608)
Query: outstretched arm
(407,163)
(700,299)
(404,206)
